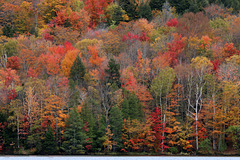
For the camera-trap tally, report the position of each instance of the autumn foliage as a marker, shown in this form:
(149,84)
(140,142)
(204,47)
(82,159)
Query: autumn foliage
(86,77)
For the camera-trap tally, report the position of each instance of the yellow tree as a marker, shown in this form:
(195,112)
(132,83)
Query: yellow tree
(31,107)
(55,111)
(68,60)
(24,17)
(143,69)
(201,66)
(108,142)
(173,128)
(49,8)
(132,135)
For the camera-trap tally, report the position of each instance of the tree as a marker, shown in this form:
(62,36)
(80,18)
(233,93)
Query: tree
(68,61)
(205,146)
(193,25)
(129,7)
(49,9)
(201,65)
(158,128)
(233,132)
(55,112)
(235,31)
(11,47)
(15,120)
(111,43)
(156,4)
(7,135)
(107,140)
(96,8)
(88,116)
(229,50)
(181,9)
(49,145)
(134,135)
(74,138)
(23,17)
(144,11)
(27,60)
(131,108)
(173,127)
(220,27)
(116,125)
(94,60)
(175,48)
(232,4)
(71,19)
(162,85)
(9,82)
(115,14)
(77,71)
(13,63)
(196,6)
(113,73)
(52,63)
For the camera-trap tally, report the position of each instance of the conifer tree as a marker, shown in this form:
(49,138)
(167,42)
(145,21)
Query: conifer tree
(113,72)
(145,11)
(74,136)
(49,145)
(77,71)
(156,4)
(129,7)
(131,107)
(116,123)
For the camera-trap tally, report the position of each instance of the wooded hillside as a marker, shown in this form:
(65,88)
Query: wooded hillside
(124,77)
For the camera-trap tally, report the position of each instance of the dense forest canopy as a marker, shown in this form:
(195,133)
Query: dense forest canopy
(119,77)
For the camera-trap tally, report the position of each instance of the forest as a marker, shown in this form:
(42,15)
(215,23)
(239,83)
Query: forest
(119,77)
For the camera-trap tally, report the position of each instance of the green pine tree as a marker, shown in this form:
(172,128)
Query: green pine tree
(49,145)
(145,11)
(116,123)
(113,73)
(75,136)
(77,71)
(156,4)
(131,107)
(88,117)
(180,5)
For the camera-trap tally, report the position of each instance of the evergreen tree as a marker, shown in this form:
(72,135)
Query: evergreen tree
(145,11)
(100,130)
(183,6)
(77,71)
(74,136)
(73,99)
(129,7)
(116,123)
(8,31)
(35,140)
(88,117)
(131,107)
(49,145)
(156,4)
(235,4)
(7,135)
(113,73)
(180,5)
(196,6)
